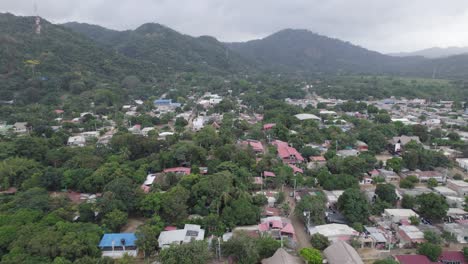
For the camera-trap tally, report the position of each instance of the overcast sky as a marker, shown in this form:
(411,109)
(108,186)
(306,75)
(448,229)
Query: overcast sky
(382,25)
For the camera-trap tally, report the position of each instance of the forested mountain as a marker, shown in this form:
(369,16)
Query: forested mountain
(167,48)
(56,61)
(433,53)
(301,50)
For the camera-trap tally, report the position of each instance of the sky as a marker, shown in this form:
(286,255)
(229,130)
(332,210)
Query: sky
(381,25)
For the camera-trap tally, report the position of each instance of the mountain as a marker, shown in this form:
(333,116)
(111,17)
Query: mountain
(433,53)
(36,65)
(165,47)
(303,50)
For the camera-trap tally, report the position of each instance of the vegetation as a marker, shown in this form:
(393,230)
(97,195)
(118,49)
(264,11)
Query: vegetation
(429,250)
(311,255)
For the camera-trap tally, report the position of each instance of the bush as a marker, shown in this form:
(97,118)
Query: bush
(429,250)
(406,184)
(319,241)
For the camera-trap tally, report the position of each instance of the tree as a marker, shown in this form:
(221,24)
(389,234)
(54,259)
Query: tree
(432,183)
(319,241)
(354,206)
(243,248)
(394,164)
(414,220)
(311,255)
(147,238)
(465,252)
(315,205)
(432,237)
(408,202)
(386,192)
(174,204)
(406,184)
(114,220)
(195,252)
(432,206)
(430,250)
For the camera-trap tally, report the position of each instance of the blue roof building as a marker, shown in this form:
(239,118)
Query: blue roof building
(163,102)
(116,245)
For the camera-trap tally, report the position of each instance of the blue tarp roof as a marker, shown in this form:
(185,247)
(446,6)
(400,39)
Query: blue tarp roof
(107,239)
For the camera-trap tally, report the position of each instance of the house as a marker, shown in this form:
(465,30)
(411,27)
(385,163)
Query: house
(396,215)
(444,191)
(332,196)
(255,144)
(165,104)
(459,229)
(180,236)
(461,187)
(268,174)
(334,232)
(304,116)
(424,176)
(198,123)
(76,141)
(389,176)
(413,259)
(286,153)
(347,153)
(409,235)
(178,170)
(145,131)
(282,257)
(116,245)
(296,170)
(341,252)
(268,126)
(277,227)
(462,163)
(20,127)
(361,146)
(397,143)
(317,162)
(375,238)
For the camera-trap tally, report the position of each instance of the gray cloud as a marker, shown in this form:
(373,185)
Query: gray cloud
(382,25)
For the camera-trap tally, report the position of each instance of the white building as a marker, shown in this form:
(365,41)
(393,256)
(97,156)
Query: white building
(180,236)
(461,187)
(198,123)
(76,141)
(334,232)
(396,215)
(463,163)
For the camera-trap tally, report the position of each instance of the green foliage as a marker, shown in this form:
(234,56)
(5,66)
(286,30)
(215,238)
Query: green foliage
(114,220)
(406,184)
(432,237)
(249,250)
(315,205)
(414,220)
(394,164)
(319,241)
(196,252)
(408,202)
(432,183)
(432,206)
(429,250)
(386,192)
(311,255)
(354,206)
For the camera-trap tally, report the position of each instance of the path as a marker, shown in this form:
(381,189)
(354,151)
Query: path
(132,224)
(301,235)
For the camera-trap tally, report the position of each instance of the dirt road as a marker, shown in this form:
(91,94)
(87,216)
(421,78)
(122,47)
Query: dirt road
(302,237)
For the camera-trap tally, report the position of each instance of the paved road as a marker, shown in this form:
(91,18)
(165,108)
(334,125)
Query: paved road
(301,236)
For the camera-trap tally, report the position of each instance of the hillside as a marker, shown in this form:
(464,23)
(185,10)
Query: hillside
(33,66)
(167,48)
(434,53)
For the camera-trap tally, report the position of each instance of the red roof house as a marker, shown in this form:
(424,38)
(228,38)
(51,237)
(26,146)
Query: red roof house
(286,153)
(178,170)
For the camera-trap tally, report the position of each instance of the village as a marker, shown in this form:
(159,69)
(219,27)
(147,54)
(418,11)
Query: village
(289,173)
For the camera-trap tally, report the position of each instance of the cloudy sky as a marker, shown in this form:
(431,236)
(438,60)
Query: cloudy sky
(382,25)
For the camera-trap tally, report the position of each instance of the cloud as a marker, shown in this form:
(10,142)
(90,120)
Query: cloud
(386,26)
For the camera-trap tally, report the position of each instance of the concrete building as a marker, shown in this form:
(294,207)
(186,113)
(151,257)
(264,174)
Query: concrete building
(461,187)
(396,215)
(180,236)
(117,245)
(334,232)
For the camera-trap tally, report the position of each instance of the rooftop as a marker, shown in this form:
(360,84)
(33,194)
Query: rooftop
(115,239)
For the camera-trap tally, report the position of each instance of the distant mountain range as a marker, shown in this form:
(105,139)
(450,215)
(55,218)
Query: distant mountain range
(153,49)
(434,53)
